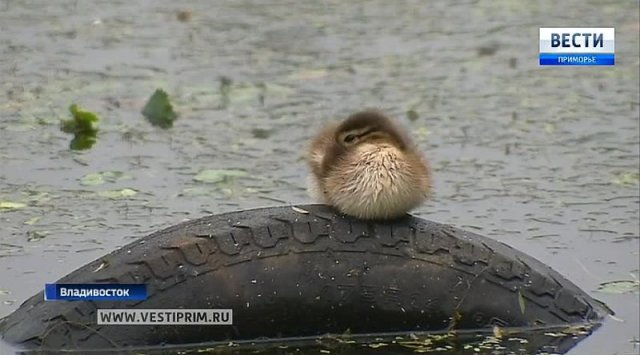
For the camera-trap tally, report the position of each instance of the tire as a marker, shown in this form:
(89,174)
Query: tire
(287,273)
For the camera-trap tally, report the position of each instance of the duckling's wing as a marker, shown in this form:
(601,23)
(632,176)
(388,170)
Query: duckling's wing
(320,145)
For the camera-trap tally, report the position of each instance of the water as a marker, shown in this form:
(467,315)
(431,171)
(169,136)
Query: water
(544,159)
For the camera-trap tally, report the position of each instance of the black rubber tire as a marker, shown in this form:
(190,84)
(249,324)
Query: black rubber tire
(287,273)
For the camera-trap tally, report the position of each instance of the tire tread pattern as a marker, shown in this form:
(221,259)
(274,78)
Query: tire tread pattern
(168,258)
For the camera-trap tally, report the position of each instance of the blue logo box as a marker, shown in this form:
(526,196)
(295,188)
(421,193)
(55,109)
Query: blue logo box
(577,59)
(95,292)
(577,46)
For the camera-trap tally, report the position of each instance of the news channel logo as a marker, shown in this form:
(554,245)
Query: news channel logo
(577,46)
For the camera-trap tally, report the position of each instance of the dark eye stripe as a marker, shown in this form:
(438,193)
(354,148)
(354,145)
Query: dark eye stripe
(351,137)
(366,132)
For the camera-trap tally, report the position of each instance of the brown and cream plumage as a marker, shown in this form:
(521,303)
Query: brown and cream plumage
(368,167)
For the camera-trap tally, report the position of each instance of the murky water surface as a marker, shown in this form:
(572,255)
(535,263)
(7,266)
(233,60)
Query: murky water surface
(542,158)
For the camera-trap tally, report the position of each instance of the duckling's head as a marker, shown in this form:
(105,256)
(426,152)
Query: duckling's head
(368,167)
(369,127)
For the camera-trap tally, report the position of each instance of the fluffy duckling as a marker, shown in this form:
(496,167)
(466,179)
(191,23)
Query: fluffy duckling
(367,167)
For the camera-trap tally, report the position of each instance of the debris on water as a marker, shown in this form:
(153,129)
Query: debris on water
(225,90)
(100,178)
(620,286)
(83,125)
(184,15)
(9,205)
(81,122)
(36,235)
(159,110)
(116,194)
(488,49)
(378,345)
(550,128)
(626,178)
(412,115)
(261,133)
(218,175)
(31,221)
(197,191)
(82,142)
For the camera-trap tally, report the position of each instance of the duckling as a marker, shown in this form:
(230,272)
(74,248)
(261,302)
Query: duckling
(367,167)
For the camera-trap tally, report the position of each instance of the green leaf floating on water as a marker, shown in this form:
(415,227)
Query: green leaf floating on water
(218,175)
(31,221)
(92,179)
(81,122)
(82,142)
(36,235)
(626,178)
(8,205)
(620,287)
(83,125)
(102,177)
(198,191)
(159,110)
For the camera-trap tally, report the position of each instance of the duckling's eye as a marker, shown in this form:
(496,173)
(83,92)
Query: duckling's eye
(349,138)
